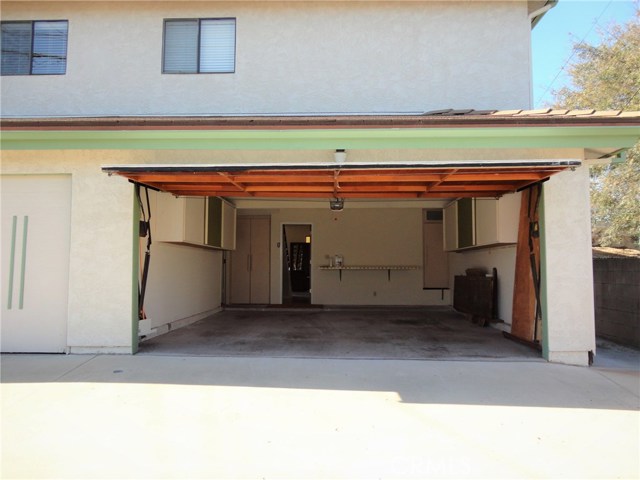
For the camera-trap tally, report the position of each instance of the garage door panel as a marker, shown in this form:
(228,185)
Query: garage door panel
(35,262)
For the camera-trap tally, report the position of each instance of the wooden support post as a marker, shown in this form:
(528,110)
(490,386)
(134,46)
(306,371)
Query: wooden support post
(523,324)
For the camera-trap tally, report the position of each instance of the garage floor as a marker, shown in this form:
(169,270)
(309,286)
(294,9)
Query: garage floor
(425,333)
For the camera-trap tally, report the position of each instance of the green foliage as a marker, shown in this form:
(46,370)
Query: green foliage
(607,76)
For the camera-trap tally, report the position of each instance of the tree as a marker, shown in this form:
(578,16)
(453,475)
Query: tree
(604,77)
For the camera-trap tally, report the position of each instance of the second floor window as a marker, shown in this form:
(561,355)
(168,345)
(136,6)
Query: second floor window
(199,46)
(34,48)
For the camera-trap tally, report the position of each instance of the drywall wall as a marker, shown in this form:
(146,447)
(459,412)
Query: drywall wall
(184,281)
(363,236)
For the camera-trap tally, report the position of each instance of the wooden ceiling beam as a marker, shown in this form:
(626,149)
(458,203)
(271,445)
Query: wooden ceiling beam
(230,179)
(283,177)
(208,193)
(288,188)
(180,177)
(471,188)
(195,186)
(480,177)
(382,188)
(357,178)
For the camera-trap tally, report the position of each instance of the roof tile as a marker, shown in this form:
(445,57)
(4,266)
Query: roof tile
(581,112)
(540,111)
(607,113)
(507,113)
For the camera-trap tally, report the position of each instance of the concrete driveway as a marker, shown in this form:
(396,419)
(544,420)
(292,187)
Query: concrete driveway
(149,416)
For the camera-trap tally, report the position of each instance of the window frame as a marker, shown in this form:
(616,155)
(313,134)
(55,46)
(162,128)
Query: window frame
(31,46)
(199,47)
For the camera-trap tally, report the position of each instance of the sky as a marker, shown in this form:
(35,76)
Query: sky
(553,38)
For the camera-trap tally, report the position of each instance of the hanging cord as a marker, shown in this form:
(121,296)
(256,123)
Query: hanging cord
(534,232)
(145,231)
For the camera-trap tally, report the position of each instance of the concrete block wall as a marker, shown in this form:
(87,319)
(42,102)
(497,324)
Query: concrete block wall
(617,299)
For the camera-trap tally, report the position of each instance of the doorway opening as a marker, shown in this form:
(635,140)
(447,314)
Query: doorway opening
(296,264)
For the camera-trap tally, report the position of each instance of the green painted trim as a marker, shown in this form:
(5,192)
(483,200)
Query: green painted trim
(23,264)
(135,269)
(12,261)
(321,139)
(543,277)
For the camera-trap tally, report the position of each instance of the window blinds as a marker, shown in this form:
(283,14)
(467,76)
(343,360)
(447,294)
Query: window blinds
(217,45)
(49,56)
(38,48)
(199,46)
(16,48)
(181,46)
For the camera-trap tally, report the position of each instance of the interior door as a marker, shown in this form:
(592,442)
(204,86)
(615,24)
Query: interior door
(436,261)
(240,266)
(260,260)
(36,216)
(250,261)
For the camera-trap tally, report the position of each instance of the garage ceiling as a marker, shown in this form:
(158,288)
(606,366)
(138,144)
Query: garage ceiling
(348,181)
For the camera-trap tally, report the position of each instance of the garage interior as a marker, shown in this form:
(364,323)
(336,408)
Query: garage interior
(250,324)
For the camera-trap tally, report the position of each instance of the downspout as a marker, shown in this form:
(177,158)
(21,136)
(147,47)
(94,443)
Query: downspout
(536,15)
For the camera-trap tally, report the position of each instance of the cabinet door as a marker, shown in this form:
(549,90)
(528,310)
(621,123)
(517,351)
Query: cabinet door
(451,227)
(228,226)
(213,228)
(179,219)
(486,221)
(194,220)
(260,260)
(466,222)
(240,263)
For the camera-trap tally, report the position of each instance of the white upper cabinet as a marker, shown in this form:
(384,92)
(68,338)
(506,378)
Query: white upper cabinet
(481,222)
(198,221)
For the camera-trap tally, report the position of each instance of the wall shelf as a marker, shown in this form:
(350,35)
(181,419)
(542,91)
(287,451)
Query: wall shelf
(388,268)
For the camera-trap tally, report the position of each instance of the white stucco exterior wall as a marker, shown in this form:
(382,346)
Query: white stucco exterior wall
(291,57)
(101,289)
(567,268)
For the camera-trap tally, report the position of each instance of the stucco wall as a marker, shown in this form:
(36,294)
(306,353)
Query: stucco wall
(101,290)
(566,266)
(291,57)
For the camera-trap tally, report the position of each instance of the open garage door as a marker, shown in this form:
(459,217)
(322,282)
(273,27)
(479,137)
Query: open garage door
(349,180)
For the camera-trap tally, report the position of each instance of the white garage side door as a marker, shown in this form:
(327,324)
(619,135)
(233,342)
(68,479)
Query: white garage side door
(36,216)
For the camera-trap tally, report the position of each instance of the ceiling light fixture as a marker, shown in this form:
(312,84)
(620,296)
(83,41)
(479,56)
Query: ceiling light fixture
(336,204)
